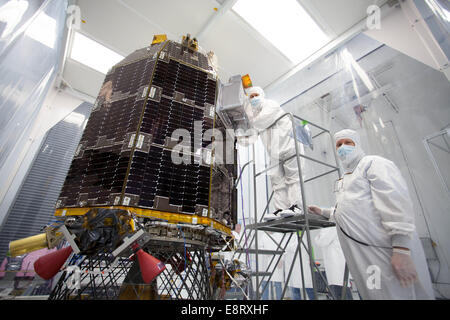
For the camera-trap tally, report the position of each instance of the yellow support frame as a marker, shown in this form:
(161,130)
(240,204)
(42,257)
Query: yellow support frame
(170,217)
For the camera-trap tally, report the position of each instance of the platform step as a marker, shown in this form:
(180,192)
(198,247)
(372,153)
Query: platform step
(264,274)
(260,251)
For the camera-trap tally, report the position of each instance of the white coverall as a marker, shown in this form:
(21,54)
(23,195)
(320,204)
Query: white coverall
(296,276)
(333,257)
(279,144)
(373,206)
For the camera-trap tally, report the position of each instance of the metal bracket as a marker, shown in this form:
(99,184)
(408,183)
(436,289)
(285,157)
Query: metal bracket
(69,237)
(128,241)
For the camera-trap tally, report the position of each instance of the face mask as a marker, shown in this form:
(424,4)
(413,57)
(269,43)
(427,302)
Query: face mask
(256,101)
(345,152)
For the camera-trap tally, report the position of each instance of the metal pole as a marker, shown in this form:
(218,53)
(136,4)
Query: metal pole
(334,153)
(299,241)
(344,286)
(435,165)
(256,227)
(289,274)
(315,136)
(291,157)
(321,276)
(309,122)
(250,231)
(321,175)
(299,250)
(302,191)
(280,256)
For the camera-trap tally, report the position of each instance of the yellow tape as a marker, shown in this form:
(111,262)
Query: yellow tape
(158,38)
(147,213)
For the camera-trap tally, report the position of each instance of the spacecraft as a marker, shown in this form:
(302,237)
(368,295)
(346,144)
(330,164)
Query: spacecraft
(125,204)
(124,156)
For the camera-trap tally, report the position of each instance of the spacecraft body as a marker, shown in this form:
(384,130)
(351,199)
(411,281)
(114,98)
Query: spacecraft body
(124,159)
(151,187)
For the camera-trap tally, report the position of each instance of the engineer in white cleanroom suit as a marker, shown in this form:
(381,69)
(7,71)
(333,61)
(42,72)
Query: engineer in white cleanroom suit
(333,259)
(375,225)
(279,144)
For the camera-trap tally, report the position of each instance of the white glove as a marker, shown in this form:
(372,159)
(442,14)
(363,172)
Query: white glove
(404,267)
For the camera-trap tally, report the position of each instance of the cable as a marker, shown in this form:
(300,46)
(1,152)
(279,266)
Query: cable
(438,283)
(350,237)
(226,271)
(185,272)
(232,278)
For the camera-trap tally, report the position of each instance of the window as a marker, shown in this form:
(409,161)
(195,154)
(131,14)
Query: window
(285,24)
(93,54)
(43,29)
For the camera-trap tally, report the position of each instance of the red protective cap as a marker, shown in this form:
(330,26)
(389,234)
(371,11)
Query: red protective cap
(48,266)
(150,266)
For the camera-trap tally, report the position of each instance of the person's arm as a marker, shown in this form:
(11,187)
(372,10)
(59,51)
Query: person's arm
(324,212)
(328,213)
(391,199)
(270,111)
(251,135)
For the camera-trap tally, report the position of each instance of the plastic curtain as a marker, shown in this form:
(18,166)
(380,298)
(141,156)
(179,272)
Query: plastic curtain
(395,103)
(30,46)
(441,10)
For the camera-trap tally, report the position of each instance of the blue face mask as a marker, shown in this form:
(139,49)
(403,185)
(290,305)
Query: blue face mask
(345,150)
(256,101)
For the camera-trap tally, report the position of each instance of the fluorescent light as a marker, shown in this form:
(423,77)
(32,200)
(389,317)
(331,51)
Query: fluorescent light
(10,15)
(285,24)
(43,29)
(439,9)
(93,54)
(75,118)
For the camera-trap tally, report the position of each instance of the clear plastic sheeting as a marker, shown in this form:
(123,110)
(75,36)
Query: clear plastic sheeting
(396,104)
(303,133)
(30,46)
(436,14)
(33,207)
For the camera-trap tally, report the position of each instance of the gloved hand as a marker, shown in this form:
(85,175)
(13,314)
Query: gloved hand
(404,267)
(315,210)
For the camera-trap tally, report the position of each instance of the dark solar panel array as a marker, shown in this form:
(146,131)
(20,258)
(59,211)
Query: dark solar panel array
(154,174)
(107,171)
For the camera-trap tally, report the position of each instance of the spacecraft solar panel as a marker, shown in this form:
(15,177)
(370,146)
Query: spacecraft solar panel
(124,156)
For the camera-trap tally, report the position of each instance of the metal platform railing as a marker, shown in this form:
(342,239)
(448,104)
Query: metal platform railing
(303,222)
